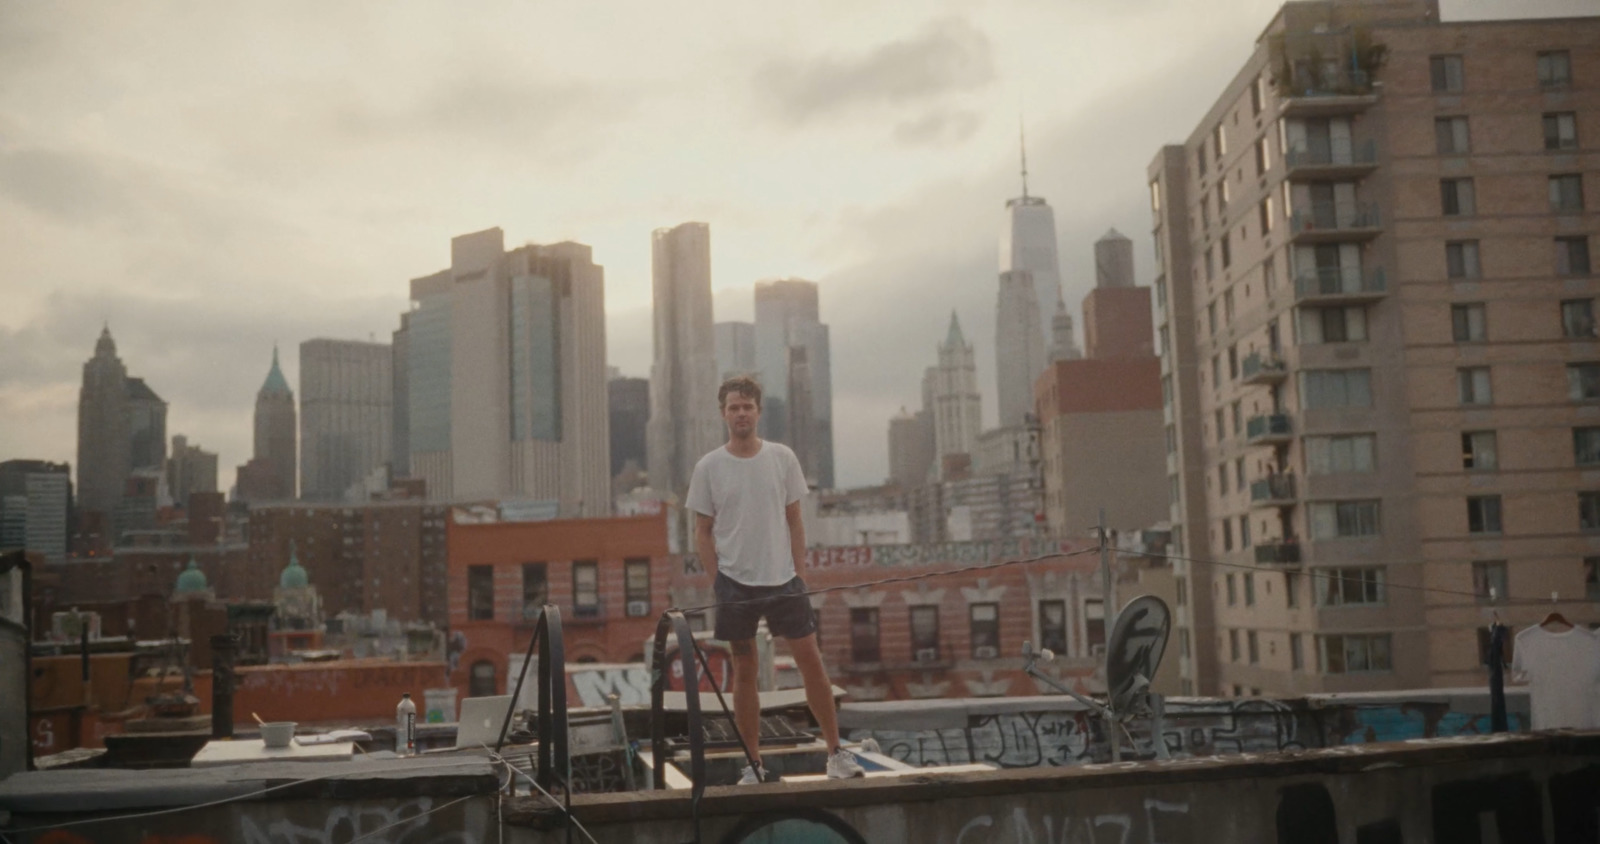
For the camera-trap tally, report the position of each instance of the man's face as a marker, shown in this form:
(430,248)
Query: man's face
(741,413)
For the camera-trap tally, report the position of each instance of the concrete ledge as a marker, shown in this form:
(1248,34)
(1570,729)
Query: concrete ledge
(646,806)
(100,790)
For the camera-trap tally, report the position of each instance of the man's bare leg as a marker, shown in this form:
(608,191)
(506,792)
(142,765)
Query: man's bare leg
(819,689)
(746,695)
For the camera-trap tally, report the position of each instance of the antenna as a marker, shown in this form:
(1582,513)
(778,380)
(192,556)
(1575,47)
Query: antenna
(1022,138)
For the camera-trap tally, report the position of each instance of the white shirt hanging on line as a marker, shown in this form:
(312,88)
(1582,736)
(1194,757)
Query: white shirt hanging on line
(1563,670)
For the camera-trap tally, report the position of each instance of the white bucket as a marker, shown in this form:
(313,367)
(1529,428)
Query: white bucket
(439,706)
(277,733)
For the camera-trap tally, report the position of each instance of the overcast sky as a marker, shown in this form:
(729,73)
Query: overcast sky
(211,178)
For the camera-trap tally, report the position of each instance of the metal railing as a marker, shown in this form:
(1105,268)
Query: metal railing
(1272,488)
(1270,425)
(1262,365)
(1339,281)
(1326,216)
(1332,153)
(1287,551)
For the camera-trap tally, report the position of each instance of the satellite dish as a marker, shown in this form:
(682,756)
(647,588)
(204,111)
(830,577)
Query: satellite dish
(1138,640)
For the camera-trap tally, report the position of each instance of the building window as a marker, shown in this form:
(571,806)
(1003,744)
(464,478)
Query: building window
(1222,431)
(1354,654)
(1261,159)
(1296,660)
(586,589)
(1461,259)
(1222,479)
(1473,384)
(1233,592)
(1566,192)
(1589,511)
(1583,381)
(1479,452)
(1256,98)
(1182,585)
(1483,514)
(1249,589)
(1269,267)
(1350,587)
(1561,130)
(1450,135)
(1586,446)
(1489,581)
(1333,325)
(1591,577)
(1219,140)
(1555,69)
(1577,318)
(925,633)
(1233,646)
(1233,352)
(1469,323)
(481,680)
(1227,533)
(1572,255)
(1344,519)
(1354,453)
(1252,647)
(535,589)
(1211,263)
(1238,465)
(1291,589)
(480,593)
(1456,197)
(1211,317)
(1227,255)
(1155,197)
(1183,642)
(1094,625)
(636,586)
(985,624)
(1053,625)
(1447,74)
(1320,388)
(1264,211)
(864,635)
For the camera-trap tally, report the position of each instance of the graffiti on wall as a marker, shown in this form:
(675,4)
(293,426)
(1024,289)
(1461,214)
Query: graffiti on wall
(926,554)
(420,820)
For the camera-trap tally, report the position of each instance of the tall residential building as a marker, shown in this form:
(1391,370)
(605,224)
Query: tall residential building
(956,404)
(1028,243)
(1020,350)
(346,389)
(736,348)
(507,376)
(190,469)
(1375,311)
(629,407)
(36,507)
(789,328)
(147,427)
(400,407)
(1113,260)
(271,472)
(684,420)
(104,453)
(910,449)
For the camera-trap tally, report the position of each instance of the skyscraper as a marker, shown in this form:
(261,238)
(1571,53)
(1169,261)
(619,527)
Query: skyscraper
(104,454)
(1020,351)
(1113,260)
(400,410)
(190,469)
(629,404)
(736,348)
(910,450)
(507,376)
(346,389)
(684,421)
(1028,242)
(35,506)
(788,318)
(271,472)
(956,404)
(147,427)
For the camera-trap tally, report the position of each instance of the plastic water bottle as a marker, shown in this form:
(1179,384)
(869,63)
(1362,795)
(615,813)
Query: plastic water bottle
(405,727)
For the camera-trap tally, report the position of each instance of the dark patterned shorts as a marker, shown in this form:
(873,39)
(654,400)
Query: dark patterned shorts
(740,608)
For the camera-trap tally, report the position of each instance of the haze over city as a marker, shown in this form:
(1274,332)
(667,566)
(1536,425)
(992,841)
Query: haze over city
(213,180)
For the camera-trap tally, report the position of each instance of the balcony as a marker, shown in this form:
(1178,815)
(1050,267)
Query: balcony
(1340,286)
(1273,491)
(1328,223)
(1263,368)
(1270,429)
(1324,160)
(1284,552)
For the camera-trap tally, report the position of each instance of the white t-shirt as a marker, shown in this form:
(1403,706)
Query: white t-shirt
(1563,669)
(746,497)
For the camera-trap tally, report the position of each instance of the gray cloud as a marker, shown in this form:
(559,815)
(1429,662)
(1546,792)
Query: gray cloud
(939,128)
(945,57)
(484,107)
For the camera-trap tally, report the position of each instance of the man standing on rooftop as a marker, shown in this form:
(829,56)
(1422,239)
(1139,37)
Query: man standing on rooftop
(746,498)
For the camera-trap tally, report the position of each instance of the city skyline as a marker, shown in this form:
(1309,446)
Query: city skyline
(861,229)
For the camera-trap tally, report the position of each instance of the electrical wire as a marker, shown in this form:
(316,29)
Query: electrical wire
(907,578)
(535,783)
(206,805)
(441,807)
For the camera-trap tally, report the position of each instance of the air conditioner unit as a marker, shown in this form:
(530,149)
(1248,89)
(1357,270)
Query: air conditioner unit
(1097,650)
(638,608)
(985,652)
(928,655)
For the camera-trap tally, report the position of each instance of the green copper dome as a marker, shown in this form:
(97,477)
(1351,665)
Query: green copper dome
(275,382)
(294,574)
(191,579)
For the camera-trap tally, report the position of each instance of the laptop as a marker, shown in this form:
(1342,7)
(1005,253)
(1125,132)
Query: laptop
(480,720)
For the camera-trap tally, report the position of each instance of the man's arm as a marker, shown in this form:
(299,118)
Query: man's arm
(797,536)
(705,543)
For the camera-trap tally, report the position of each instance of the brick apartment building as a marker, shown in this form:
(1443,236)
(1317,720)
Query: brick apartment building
(1376,318)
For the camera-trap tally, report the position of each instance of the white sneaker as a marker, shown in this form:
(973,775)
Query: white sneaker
(842,765)
(755,776)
